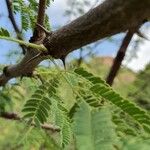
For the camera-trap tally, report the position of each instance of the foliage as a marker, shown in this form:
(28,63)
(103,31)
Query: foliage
(141,93)
(96,115)
(94,127)
(28,11)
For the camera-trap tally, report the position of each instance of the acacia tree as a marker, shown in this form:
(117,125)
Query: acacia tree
(88,110)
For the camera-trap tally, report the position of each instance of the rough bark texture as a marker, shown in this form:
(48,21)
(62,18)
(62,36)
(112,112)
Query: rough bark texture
(109,18)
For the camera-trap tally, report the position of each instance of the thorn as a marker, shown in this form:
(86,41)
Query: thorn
(63,59)
(5,71)
(44,29)
(140,34)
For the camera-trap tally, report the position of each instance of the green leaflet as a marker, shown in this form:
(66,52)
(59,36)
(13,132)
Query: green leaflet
(90,98)
(44,100)
(136,144)
(38,106)
(94,129)
(100,88)
(124,127)
(28,12)
(62,120)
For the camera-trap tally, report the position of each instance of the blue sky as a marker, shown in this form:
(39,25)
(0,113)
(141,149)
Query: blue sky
(57,19)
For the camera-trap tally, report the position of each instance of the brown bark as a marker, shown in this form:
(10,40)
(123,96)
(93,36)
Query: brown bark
(119,58)
(121,54)
(38,34)
(109,18)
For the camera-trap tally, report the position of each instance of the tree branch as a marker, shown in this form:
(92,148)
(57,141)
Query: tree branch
(14,116)
(109,18)
(13,21)
(119,58)
(120,55)
(38,34)
(26,67)
(41,12)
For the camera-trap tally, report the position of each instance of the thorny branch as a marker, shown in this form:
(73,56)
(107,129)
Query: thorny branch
(107,19)
(23,68)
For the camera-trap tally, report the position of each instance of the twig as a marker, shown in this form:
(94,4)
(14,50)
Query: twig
(50,127)
(11,116)
(14,116)
(13,21)
(27,44)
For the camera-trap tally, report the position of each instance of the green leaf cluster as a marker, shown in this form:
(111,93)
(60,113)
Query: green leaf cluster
(96,115)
